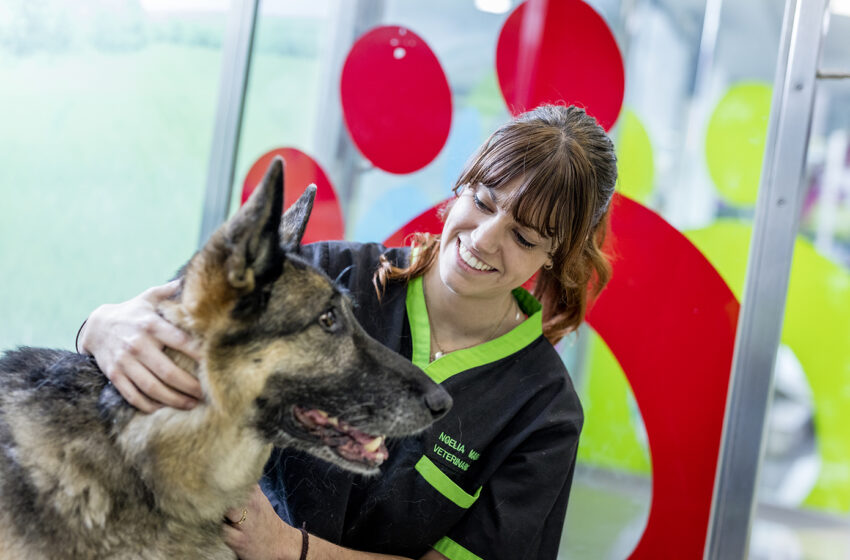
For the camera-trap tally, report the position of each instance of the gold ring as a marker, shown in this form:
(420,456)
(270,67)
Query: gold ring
(243,518)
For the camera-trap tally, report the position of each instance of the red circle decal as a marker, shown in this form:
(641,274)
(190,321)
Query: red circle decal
(395,99)
(326,222)
(560,52)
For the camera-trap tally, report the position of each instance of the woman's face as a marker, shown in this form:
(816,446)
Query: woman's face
(484,252)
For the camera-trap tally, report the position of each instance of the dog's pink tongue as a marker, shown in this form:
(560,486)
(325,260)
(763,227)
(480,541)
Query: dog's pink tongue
(355,448)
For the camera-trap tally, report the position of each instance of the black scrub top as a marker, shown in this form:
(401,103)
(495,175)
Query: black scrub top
(489,480)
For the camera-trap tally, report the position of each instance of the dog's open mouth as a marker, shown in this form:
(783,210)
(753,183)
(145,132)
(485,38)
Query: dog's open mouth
(344,439)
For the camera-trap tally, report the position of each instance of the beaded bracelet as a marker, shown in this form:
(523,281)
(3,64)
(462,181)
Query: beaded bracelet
(305,541)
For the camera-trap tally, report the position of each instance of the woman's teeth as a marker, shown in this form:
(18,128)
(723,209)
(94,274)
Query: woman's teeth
(469,259)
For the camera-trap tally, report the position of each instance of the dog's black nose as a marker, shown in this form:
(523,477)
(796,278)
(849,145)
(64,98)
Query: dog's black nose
(438,401)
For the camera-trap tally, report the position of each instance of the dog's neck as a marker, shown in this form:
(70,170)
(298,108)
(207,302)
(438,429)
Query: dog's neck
(211,454)
(198,462)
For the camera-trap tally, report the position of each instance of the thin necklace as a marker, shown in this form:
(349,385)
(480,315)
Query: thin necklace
(440,352)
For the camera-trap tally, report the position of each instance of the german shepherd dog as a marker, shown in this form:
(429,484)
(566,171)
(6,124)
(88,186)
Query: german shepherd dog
(285,363)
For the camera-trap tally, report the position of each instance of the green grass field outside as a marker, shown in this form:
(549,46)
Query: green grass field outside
(103,162)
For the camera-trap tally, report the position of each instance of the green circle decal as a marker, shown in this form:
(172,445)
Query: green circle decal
(735,139)
(817,328)
(613,435)
(634,158)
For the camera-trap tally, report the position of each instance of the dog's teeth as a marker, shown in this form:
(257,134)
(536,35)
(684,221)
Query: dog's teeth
(374,445)
(321,413)
(332,420)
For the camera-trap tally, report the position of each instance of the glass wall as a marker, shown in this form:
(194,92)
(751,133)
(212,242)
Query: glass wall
(106,116)
(105,130)
(653,362)
(804,488)
(675,80)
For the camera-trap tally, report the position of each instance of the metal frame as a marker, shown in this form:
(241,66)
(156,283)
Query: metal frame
(235,66)
(763,306)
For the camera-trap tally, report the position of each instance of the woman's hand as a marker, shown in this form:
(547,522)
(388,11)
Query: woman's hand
(255,532)
(127,341)
(261,534)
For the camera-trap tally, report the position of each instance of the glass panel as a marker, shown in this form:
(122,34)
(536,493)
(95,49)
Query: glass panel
(690,143)
(283,96)
(804,490)
(651,370)
(107,111)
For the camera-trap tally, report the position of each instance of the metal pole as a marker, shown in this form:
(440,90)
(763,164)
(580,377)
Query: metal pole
(235,64)
(833,75)
(763,306)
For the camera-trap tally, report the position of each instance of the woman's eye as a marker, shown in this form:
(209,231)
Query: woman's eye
(478,203)
(328,320)
(523,241)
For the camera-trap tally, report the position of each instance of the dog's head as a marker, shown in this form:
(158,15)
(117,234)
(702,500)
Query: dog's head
(283,350)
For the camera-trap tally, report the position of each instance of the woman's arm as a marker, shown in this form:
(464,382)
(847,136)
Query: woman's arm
(127,341)
(262,535)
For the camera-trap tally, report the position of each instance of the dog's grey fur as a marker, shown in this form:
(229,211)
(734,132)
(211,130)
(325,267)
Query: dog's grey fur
(84,475)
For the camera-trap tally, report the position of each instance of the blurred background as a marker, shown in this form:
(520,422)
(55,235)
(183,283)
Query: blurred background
(108,110)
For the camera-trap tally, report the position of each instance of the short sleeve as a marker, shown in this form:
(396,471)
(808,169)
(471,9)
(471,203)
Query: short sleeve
(521,509)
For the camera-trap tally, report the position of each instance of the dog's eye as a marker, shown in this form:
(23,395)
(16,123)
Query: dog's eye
(328,321)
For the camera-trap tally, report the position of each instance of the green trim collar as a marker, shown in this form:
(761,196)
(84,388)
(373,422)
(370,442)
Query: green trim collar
(461,360)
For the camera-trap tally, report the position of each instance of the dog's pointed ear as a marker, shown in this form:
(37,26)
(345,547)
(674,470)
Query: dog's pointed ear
(295,219)
(252,235)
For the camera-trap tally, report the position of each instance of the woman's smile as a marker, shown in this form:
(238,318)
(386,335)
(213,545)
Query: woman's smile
(484,251)
(471,261)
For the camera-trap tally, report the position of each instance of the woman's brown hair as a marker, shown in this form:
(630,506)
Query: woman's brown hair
(568,169)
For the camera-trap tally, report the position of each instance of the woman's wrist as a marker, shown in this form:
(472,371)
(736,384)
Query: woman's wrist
(305,542)
(290,543)
(83,342)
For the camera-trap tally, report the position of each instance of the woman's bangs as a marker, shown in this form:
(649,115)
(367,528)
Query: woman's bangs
(493,168)
(539,203)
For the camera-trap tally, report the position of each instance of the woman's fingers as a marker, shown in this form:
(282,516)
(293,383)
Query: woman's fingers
(132,395)
(255,532)
(145,381)
(236,516)
(159,293)
(127,341)
(161,332)
(172,336)
(170,375)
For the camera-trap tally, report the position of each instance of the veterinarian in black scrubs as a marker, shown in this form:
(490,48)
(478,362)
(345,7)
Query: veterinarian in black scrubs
(492,478)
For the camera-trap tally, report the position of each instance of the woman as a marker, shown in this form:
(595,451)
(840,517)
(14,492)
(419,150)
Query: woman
(492,478)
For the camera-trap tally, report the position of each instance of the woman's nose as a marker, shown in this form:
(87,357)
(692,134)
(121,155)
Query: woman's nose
(485,237)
